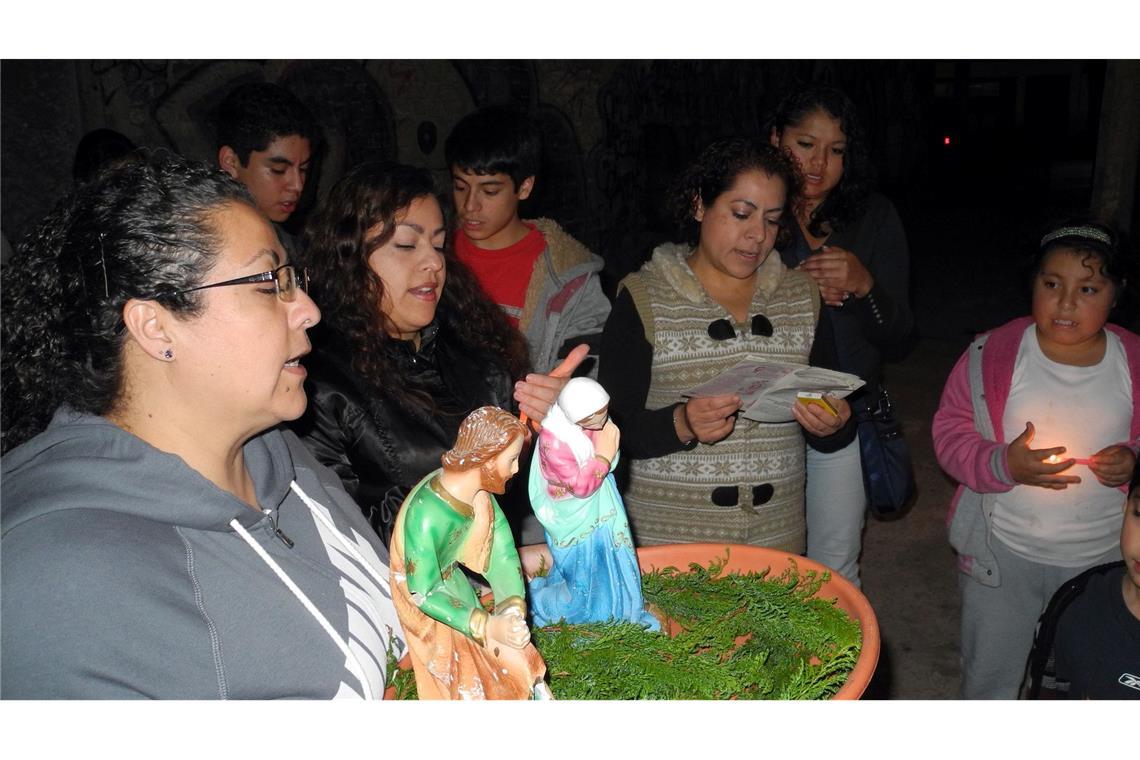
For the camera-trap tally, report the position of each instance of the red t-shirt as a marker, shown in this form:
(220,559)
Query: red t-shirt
(504,274)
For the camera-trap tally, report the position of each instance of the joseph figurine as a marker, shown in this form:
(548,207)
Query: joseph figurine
(458,649)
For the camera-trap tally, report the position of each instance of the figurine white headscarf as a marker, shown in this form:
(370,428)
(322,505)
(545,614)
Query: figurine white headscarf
(579,398)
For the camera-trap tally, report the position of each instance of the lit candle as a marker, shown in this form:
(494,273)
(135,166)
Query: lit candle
(1054,459)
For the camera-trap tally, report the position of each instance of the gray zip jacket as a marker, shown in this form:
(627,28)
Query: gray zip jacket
(564,298)
(126,574)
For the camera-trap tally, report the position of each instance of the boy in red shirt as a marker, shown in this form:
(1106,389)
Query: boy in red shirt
(545,280)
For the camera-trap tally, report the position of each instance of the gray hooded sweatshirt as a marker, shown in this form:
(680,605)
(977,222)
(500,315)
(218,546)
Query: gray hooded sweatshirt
(125,574)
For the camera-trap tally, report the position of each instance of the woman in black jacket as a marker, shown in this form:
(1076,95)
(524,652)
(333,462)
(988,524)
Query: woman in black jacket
(409,343)
(851,241)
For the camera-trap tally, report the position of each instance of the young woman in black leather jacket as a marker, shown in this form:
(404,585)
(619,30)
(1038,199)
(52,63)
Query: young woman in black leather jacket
(410,344)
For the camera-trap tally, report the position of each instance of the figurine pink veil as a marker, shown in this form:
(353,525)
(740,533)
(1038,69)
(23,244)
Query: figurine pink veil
(580,398)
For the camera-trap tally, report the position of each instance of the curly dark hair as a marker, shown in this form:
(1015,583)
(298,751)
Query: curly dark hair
(847,199)
(716,169)
(1089,238)
(141,229)
(337,247)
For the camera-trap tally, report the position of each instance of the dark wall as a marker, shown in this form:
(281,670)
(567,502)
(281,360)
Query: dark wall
(40,124)
(615,132)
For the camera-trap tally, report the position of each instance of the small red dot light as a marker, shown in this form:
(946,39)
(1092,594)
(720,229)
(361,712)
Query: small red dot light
(946,140)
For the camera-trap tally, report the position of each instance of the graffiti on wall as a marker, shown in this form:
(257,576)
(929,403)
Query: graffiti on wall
(367,110)
(615,133)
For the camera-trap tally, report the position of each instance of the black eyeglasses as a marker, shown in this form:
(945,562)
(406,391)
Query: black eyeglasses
(722,329)
(285,278)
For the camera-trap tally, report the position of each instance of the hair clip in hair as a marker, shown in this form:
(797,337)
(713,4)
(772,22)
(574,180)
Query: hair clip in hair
(103,266)
(1091,233)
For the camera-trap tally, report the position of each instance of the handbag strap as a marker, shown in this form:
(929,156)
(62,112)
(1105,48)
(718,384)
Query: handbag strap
(868,407)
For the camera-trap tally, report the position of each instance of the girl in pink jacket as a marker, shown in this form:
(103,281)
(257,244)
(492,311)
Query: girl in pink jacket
(1038,426)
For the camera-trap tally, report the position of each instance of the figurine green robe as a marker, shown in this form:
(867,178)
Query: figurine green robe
(442,618)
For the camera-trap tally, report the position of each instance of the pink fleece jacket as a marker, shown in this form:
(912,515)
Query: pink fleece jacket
(979,464)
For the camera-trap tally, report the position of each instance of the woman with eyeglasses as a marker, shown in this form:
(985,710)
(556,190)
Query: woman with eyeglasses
(164,537)
(851,241)
(410,344)
(701,473)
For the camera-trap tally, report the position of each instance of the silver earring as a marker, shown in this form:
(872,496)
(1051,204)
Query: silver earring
(168,354)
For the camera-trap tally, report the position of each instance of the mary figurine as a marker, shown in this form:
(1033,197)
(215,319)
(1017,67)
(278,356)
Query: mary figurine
(594,576)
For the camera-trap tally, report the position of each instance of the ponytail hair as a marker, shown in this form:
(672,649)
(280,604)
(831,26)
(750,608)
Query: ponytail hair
(144,230)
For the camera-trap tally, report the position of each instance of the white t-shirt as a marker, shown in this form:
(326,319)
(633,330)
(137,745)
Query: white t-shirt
(1083,409)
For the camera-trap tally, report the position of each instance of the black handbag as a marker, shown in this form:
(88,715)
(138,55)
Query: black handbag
(888,475)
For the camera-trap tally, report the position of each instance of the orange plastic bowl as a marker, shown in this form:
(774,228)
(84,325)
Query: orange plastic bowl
(743,558)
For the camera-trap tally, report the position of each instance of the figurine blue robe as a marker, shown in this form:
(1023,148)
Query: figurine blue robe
(595,576)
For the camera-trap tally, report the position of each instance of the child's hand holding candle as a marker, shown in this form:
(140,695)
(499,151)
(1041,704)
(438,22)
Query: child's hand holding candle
(1112,465)
(1054,459)
(1038,467)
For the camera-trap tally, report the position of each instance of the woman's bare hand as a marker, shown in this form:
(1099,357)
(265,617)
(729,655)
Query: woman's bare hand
(839,274)
(536,559)
(537,392)
(820,422)
(712,418)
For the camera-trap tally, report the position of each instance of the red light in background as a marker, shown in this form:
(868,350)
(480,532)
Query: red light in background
(946,140)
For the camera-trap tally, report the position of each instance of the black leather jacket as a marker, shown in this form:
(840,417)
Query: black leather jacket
(378,447)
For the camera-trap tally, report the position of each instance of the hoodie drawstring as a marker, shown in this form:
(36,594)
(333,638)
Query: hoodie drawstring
(348,546)
(351,660)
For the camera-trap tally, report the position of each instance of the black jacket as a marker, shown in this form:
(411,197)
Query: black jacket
(379,447)
(853,337)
